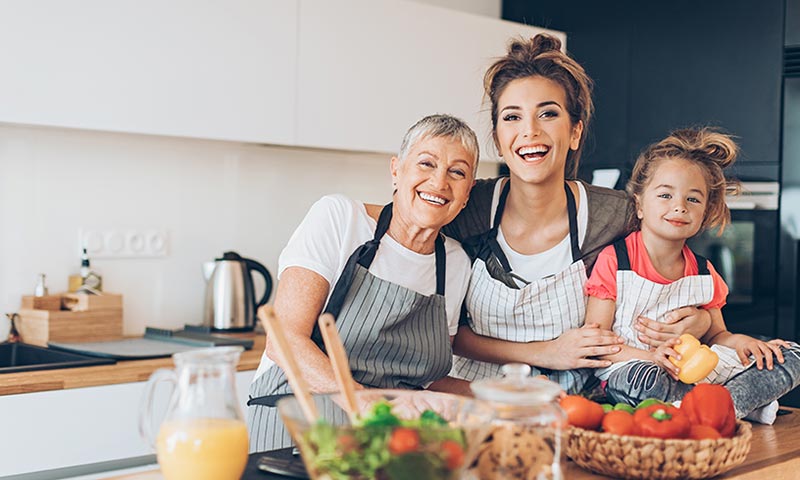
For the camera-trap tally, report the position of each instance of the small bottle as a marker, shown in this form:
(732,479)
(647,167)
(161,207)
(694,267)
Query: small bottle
(88,278)
(41,286)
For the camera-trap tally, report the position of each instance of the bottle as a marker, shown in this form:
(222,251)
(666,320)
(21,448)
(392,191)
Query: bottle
(86,279)
(40,290)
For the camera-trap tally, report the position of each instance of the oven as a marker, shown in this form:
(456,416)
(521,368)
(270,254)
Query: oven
(746,256)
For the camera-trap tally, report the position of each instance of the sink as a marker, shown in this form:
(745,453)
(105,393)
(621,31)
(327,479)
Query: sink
(22,357)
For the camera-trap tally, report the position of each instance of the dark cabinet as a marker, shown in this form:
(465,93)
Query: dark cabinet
(664,65)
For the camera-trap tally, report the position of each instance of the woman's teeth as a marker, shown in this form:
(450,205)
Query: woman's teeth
(432,198)
(533,153)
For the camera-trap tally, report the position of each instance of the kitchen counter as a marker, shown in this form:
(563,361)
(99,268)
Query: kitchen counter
(124,371)
(774,453)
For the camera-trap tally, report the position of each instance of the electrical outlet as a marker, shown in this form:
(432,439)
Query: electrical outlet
(124,243)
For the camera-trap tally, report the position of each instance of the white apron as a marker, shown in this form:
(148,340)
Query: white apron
(540,311)
(638,296)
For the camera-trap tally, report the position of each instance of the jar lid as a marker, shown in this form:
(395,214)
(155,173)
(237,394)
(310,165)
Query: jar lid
(516,387)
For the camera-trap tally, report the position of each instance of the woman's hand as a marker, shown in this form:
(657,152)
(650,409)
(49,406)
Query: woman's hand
(576,347)
(761,351)
(692,320)
(663,352)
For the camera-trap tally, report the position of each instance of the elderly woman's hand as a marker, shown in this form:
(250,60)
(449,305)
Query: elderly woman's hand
(576,348)
(692,320)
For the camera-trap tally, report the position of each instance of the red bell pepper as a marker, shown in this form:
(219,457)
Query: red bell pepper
(711,405)
(661,421)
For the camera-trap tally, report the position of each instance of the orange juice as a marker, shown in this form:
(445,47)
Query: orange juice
(202,449)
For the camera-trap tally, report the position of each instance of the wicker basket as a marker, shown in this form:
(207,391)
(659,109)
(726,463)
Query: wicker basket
(625,456)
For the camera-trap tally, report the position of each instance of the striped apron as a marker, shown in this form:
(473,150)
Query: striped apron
(394,337)
(539,311)
(638,296)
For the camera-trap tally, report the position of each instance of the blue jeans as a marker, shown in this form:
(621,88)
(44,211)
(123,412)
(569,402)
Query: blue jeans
(750,389)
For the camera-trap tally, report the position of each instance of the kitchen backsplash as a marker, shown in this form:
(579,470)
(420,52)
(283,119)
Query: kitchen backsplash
(208,196)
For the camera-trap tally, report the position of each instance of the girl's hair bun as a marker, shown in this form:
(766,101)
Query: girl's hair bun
(707,144)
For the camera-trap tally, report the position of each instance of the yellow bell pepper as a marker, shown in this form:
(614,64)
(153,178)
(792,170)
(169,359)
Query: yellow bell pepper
(697,360)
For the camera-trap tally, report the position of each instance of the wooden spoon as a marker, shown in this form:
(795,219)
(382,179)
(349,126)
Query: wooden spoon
(341,367)
(296,381)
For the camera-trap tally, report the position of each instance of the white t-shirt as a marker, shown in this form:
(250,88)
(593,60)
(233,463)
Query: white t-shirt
(552,261)
(336,226)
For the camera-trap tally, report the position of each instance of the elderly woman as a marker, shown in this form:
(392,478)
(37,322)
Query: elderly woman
(396,307)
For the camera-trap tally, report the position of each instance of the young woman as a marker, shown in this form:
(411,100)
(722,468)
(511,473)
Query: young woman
(533,236)
(679,189)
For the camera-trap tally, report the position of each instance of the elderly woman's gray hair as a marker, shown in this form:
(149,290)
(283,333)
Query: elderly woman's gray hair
(440,125)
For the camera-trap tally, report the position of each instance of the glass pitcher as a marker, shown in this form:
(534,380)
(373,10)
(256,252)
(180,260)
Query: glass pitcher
(526,432)
(203,435)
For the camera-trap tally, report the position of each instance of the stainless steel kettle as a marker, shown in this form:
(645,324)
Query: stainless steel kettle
(230,298)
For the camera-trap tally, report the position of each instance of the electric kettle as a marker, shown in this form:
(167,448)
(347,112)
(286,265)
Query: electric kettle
(230,298)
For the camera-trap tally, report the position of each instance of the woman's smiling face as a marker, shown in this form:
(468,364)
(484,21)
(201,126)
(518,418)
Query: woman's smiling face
(534,132)
(433,182)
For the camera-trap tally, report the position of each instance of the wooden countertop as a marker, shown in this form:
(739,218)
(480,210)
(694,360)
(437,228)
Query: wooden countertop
(774,454)
(125,371)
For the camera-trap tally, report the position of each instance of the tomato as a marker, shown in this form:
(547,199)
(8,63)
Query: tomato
(403,440)
(619,422)
(661,421)
(701,432)
(453,454)
(582,412)
(347,443)
(711,405)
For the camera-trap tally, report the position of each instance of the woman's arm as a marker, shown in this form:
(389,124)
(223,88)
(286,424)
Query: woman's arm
(571,350)
(693,320)
(299,300)
(450,384)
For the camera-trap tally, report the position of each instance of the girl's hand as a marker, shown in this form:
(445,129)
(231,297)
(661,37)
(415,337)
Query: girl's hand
(663,352)
(576,347)
(692,320)
(761,351)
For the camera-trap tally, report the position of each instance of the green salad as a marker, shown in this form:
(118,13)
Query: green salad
(385,447)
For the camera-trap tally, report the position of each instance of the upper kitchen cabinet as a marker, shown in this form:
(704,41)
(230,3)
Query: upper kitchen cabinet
(210,69)
(369,69)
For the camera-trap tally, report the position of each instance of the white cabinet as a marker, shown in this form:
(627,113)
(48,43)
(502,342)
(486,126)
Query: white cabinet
(193,68)
(65,428)
(367,70)
(342,74)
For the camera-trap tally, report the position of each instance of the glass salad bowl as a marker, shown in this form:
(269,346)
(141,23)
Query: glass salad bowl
(396,434)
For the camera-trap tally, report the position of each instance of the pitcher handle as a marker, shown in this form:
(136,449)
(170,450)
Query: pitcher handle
(146,405)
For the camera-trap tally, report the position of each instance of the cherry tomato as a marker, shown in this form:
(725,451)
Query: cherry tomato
(701,432)
(403,440)
(619,422)
(453,454)
(582,412)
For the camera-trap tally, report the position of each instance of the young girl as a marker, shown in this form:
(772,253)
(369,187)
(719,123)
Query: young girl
(679,189)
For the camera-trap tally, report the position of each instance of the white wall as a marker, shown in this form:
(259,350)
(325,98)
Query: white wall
(209,197)
(489,8)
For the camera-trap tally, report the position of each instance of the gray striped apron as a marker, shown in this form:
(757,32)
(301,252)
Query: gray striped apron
(394,337)
(539,311)
(638,296)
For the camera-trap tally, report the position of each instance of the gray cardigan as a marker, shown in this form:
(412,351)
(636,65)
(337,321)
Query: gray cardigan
(608,215)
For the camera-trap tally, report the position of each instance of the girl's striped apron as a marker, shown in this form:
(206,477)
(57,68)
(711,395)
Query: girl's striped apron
(394,337)
(539,311)
(638,296)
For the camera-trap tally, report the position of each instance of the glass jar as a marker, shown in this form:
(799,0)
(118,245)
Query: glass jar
(525,441)
(203,435)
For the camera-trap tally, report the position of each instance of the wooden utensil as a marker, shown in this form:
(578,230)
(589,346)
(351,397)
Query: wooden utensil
(275,332)
(341,367)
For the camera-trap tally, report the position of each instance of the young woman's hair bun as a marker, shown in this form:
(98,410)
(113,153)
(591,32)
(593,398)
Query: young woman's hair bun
(529,49)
